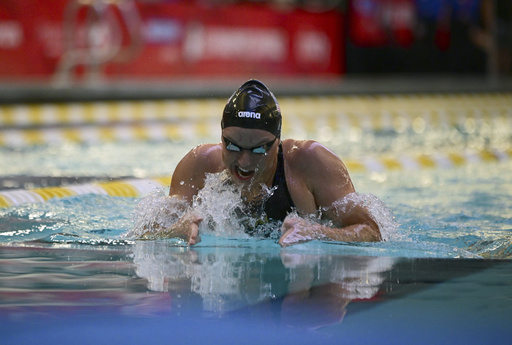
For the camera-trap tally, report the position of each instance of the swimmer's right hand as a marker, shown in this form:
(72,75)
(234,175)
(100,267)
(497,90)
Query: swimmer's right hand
(187,228)
(192,224)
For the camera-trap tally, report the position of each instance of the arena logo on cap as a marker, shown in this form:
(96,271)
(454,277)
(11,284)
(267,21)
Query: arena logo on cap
(249,114)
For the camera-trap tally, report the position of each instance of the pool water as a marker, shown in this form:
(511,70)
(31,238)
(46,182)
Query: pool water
(68,273)
(444,213)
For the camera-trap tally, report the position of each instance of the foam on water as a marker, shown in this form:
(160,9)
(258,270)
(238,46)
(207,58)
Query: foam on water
(224,214)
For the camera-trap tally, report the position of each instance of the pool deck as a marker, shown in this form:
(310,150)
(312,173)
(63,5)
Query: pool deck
(44,91)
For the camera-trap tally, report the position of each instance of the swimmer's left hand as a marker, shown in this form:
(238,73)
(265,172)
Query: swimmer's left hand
(297,230)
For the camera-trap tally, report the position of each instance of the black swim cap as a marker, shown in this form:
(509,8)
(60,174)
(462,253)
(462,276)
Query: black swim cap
(253,106)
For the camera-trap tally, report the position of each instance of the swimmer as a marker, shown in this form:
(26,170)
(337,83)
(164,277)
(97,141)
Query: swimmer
(305,176)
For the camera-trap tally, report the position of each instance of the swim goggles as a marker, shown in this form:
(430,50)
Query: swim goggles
(260,149)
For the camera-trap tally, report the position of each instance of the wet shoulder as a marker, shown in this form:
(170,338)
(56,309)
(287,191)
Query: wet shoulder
(300,152)
(204,157)
(309,160)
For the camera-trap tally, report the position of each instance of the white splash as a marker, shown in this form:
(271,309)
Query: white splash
(219,203)
(156,211)
(378,211)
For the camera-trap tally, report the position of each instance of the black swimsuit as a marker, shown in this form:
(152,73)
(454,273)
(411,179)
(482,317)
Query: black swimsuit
(280,202)
(275,208)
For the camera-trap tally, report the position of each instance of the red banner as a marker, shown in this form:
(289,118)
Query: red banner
(376,23)
(154,39)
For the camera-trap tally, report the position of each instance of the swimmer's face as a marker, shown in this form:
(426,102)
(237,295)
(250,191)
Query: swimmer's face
(250,155)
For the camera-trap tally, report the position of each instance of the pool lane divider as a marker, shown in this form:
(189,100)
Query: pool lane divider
(425,161)
(141,187)
(122,188)
(93,122)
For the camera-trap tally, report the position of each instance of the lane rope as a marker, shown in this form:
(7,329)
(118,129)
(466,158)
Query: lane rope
(122,188)
(29,125)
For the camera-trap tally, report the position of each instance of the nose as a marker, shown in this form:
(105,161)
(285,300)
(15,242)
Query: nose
(245,159)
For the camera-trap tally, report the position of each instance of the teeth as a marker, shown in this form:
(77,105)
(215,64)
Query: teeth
(244,172)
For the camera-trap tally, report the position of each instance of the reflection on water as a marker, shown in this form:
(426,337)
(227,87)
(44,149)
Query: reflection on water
(305,290)
(231,289)
(36,280)
(310,289)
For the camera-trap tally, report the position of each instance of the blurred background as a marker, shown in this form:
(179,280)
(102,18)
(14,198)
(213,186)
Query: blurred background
(132,49)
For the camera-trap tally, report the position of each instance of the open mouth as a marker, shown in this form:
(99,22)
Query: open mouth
(243,174)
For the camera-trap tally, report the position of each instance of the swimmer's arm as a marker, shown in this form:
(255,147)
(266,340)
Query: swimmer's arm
(351,224)
(297,229)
